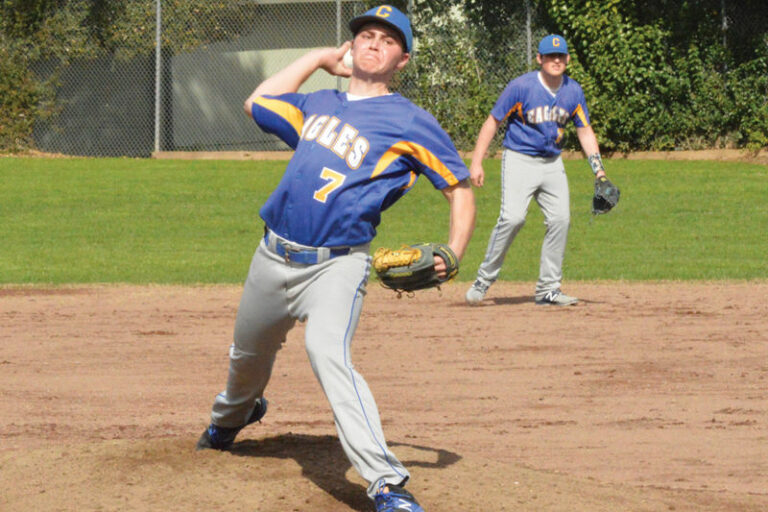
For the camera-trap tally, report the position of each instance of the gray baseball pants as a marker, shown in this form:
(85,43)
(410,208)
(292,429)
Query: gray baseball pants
(524,177)
(329,296)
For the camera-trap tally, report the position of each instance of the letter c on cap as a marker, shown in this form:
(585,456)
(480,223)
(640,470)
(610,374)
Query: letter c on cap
(383,11)
(556,41)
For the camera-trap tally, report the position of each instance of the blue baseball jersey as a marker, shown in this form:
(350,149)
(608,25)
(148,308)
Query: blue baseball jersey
(535,117)
(352,160)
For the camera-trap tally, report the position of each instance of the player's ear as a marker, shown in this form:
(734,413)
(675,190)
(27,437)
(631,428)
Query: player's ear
(567,59)
(538,58)
(403,61)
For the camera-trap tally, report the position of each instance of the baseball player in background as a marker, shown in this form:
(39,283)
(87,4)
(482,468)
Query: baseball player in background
(536,107)
(356,154)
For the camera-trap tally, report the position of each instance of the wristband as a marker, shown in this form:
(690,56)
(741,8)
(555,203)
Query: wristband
(596,163)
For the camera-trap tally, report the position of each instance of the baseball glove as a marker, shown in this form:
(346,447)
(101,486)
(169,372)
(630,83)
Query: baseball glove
(606,196)
(413,268)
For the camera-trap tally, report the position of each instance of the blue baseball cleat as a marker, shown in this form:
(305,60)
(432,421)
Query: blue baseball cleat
(393,498)
(221,438)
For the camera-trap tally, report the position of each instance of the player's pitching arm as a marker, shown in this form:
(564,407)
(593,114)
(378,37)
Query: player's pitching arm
(290,78)
(589,145)
(462,206)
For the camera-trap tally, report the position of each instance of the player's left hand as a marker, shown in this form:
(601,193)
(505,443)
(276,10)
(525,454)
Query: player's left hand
(606,195)
(415,267)
(441,267)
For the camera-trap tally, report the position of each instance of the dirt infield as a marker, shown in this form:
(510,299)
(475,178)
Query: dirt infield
(644,397)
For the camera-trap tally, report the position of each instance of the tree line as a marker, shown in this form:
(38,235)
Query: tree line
(657,74)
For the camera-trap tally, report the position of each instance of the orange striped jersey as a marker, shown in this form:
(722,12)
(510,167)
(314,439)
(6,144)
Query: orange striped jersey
(536,117)
(353,159)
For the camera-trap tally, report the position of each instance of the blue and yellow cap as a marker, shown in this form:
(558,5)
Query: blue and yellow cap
(553,44)
(387,15)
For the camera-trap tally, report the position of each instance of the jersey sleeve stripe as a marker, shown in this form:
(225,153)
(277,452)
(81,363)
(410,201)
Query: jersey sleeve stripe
(518,107)
(418,152)
(579,112)
(291,114)
(411,181)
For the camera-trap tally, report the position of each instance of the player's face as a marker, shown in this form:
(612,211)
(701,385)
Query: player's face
(553,64)
(377,50)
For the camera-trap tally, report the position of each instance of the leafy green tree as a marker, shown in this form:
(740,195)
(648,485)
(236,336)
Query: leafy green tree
(32,31)
(58,31)
(659,77)
(658,74)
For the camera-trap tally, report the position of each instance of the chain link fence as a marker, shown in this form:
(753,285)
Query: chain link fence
(188,96)
(134,101)
(739,28)
(127,99)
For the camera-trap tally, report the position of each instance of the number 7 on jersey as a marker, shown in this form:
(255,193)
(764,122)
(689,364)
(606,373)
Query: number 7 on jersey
(335,180)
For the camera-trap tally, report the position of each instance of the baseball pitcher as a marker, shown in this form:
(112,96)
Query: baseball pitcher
(356,154)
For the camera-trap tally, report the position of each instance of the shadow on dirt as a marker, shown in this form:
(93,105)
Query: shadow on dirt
(506,301)
(323,461)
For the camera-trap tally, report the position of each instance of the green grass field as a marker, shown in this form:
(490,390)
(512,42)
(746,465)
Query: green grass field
(173,221)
